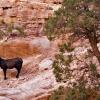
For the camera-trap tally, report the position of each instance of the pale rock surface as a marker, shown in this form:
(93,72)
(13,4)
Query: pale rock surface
(37,86)
(45,64)
(4,98)
(42,42)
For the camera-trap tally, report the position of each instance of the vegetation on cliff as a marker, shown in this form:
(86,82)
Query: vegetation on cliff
(80,18)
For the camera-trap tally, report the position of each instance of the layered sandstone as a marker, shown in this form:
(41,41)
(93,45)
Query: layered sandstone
(27,15)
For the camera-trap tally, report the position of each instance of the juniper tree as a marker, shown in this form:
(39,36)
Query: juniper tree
(82,17)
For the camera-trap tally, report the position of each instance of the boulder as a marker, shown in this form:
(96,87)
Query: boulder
(45,64)
(42,42)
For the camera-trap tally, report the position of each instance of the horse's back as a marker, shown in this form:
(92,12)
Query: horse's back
(11,63)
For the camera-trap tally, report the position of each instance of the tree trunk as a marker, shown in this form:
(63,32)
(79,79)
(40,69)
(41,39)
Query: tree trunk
(93,43)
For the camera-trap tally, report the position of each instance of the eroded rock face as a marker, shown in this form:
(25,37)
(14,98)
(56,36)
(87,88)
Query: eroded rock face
(17,48)
(29,15)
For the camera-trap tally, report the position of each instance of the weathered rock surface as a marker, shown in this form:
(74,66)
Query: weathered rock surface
(39,85)
(17,47)
(45,64)
(41,42)
(28,15)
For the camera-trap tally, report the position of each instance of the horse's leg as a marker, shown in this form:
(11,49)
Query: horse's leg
(5,70)
(18,71)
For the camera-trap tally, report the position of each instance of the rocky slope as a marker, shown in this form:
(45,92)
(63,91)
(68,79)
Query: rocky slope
(36,77)
(36,80)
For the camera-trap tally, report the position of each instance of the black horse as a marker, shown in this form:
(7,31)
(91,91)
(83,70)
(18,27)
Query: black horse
(11,63)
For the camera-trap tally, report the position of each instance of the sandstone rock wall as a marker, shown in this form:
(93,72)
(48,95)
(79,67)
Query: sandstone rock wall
(26,15)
